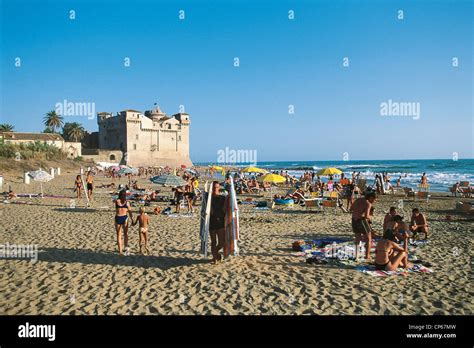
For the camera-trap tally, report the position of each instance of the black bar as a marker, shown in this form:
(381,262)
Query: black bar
(261,330)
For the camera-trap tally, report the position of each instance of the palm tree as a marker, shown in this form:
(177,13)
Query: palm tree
(53,121)
(48,130)
(73,131)
(5,127)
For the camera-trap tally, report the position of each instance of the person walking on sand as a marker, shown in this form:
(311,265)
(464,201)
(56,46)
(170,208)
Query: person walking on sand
(90,184)
(122,212)
(143,222)
(78,186)
(217,221)
(360,227)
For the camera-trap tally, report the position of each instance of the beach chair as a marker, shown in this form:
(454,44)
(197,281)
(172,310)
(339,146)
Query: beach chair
(409,192)
(423,192)
(311,203)
(465,188)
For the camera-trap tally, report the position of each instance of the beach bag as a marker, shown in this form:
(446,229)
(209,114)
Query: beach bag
(261,204)
(166,211)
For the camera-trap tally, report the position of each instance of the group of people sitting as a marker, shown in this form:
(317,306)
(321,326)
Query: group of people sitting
(389,255)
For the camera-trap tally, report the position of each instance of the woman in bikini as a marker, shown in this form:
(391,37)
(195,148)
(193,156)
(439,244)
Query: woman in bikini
(78,186)
(389,255)
(122,211)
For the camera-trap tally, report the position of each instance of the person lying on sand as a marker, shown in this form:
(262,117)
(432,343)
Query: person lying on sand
(143,222)
(389,255)
(418,223)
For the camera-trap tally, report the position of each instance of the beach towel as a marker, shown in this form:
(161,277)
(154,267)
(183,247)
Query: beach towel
(370,270)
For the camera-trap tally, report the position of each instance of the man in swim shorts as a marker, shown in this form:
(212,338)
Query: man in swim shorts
(360,227)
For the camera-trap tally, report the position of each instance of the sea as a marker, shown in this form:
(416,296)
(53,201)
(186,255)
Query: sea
(441,173)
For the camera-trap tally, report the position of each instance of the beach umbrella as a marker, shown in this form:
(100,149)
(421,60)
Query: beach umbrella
(192,172)
(253,170)
(216,168)
(169,180)
(273,179)
(128,170)
(329,171)
(41,176)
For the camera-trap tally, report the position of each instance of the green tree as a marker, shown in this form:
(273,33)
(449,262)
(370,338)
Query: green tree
(73,131)
(47,130)
(5,127)
(53,121)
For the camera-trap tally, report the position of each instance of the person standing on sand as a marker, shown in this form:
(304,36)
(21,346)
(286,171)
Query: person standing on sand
(424,180)
(90,184)
(143,221)
(217,221)
(122,212)
(78,186)
(360,227)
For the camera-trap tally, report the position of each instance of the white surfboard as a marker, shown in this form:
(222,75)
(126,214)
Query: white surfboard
(205,218)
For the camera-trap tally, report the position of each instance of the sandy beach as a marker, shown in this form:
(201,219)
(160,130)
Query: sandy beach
(80,272)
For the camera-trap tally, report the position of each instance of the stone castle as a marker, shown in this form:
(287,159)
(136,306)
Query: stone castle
(137,139)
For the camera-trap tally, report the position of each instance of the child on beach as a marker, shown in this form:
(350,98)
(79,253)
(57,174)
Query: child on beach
(143,221)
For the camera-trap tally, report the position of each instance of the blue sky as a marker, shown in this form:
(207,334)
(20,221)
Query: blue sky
(282,62)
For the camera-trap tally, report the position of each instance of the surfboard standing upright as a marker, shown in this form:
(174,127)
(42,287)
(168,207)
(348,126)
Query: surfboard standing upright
(235,216)
(205,218)
(232,224)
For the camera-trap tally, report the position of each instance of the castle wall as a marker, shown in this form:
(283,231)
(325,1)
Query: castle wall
(147,142)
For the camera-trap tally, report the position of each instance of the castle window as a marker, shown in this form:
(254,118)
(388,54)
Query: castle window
(169,126)
(134,146)
(136,136)
(179,138)
(112,157)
